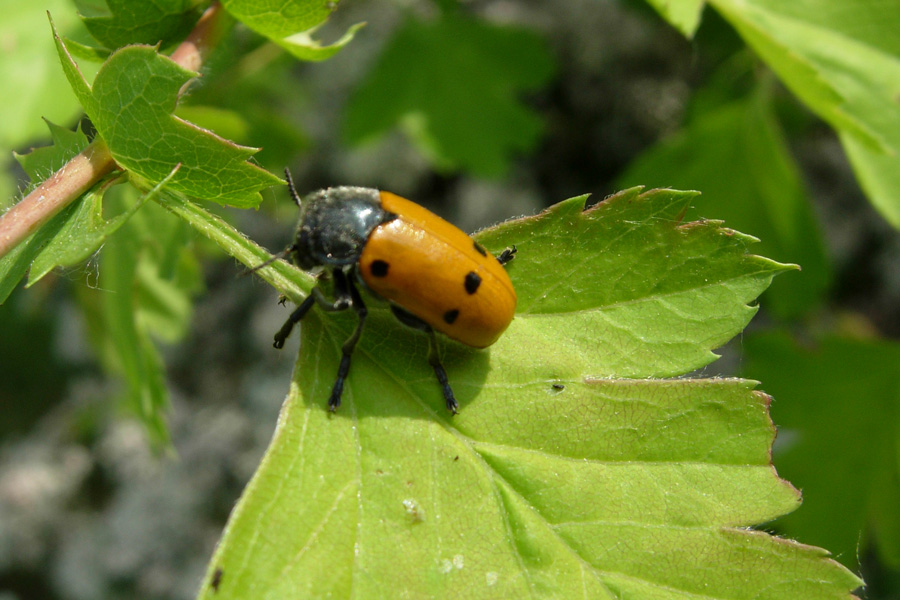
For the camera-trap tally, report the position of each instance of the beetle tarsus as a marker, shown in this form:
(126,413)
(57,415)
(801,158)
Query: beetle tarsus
(334,401)
(507,255)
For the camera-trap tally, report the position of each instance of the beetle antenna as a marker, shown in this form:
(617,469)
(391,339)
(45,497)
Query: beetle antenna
(293,190)
(274,257)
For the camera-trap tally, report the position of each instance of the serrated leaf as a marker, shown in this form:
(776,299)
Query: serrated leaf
(842,61)
(837,407)
(453,86)
(131,104)
(291,24)
(123,22)
(737,155)
(570,471)
(38,164)
(41,162)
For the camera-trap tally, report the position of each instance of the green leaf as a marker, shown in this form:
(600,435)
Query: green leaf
(17,261)
(87,52)
(84,230)
(40,163)
(147,275)
(838,409)
(453,86)
(290,281)
(737,155)
(842,60)
(571,470)
(131,104)
(291,24)
(82,233)
(123,22)
(133,354)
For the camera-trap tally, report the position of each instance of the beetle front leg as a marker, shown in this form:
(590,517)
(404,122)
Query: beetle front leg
(316,296)
(292,320)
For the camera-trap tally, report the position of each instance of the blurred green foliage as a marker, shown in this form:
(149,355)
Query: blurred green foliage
(459,100)
(837,402)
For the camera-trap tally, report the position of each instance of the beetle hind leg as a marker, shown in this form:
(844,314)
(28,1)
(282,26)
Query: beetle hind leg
(434,356)
(434,359)
(507,255)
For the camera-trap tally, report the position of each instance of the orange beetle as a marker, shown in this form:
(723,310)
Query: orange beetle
(434,276)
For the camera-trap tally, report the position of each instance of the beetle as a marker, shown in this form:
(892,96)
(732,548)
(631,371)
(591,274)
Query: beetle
(433,275)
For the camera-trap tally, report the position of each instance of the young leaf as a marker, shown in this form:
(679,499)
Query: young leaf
(131,104)
(571,470)
(291,25)
(837,405)
(453,86)
(38,164)
(41,162)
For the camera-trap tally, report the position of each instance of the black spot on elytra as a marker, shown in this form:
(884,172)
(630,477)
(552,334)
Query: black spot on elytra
(450,316)
(479,249)
(379,268)
(473,280)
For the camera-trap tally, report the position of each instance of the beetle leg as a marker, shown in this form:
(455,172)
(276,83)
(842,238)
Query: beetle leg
(434,359)
(342,301)
(292,320)
(434,355)
(347,349)
(507,255)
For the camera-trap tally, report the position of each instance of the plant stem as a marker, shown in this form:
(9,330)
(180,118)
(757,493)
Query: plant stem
(86,168)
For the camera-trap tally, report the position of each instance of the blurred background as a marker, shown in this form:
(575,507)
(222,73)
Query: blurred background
(509,107)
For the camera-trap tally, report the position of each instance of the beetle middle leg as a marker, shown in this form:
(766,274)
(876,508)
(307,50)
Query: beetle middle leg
(347,349)
(342,301)
(434,356)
